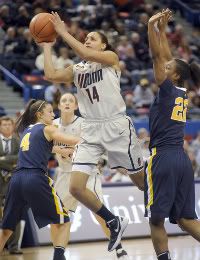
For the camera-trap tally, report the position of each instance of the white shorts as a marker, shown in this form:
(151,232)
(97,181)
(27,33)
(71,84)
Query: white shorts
(116,137)
(62,188)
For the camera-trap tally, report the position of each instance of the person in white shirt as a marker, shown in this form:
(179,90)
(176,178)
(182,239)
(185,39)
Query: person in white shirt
(69,123)
(106,128)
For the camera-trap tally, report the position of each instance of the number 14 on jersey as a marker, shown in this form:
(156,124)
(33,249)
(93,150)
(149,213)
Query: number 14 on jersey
(93,94)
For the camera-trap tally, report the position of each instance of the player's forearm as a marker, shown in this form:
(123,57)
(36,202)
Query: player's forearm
(154,41)
(166,52)
(49,69)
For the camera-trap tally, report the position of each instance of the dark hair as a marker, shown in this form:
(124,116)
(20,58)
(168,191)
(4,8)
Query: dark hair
(30,115)
(195,73)
(104,40)
(6,118)
(187,71)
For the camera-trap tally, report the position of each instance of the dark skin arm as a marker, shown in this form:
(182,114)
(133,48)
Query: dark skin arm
(158,50)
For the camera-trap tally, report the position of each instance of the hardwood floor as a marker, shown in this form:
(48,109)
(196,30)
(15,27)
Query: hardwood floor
(182,248)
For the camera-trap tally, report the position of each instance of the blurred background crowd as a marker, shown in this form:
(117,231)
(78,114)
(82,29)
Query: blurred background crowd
(125,24)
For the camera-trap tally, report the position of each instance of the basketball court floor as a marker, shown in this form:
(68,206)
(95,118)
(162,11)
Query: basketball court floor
(182,248)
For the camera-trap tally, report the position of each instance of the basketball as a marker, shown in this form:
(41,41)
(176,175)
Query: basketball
(42,29)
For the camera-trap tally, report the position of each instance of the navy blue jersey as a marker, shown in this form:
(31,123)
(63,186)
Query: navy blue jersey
(35,149)
(168,116)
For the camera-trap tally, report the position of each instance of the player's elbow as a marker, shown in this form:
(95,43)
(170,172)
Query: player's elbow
(49,76)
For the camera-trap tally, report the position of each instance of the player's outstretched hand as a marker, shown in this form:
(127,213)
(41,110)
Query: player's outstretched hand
(163,21)
(155,18)
(59,25)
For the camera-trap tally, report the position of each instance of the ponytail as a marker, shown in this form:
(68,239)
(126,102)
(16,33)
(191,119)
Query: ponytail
(30,115)
(195,73)
(104,40)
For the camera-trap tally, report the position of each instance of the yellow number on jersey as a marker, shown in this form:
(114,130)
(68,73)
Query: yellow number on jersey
(25,142)
(179,111)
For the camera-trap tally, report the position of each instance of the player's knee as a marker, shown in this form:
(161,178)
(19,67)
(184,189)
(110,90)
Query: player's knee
(182,223)
(156,221)
(75,190)
(6,233)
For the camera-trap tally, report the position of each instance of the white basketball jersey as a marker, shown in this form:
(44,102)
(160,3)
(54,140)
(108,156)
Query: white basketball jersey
(73,129)
(98,90)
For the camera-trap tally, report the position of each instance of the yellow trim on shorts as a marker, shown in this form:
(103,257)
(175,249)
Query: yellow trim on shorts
(150,180)
(59,208)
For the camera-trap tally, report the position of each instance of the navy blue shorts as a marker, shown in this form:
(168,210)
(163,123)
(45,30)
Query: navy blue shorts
(169,185)
(32,188)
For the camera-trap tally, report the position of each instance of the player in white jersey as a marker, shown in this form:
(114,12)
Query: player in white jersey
(67,123)
(106,126)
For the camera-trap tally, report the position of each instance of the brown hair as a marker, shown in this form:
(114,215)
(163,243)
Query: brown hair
(6,118)
(30,114)
(104,40)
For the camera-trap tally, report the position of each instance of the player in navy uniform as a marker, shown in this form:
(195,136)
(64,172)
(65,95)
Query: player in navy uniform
(169,178)
(30,186)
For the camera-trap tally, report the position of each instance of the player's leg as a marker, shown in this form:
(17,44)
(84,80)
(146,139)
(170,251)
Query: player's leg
(159,238)
(191,226)
(124,151)
(14,205)
(48,208)
(81,193)
(4,236)
(116,225)
(138,179)
(160,193)
(120,252)
(94,184)
(85,158)
(60,237)
(70,203)
(184,208)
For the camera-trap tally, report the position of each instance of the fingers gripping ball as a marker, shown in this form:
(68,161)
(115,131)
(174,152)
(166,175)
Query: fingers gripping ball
(42,29)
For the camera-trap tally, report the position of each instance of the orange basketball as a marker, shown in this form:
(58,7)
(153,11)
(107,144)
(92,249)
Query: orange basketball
(42,29)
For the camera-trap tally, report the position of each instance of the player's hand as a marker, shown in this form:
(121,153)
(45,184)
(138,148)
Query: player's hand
(58,24)
(45,44)
(155,18)
(67,152)
(163,21)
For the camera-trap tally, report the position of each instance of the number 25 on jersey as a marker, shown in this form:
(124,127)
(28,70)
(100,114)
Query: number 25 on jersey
(180,109)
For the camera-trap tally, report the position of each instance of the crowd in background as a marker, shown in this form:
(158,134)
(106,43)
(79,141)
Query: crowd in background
(125,25)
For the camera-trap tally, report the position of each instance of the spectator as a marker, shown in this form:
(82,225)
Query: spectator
(39,62)
(140,49)
(196,144)
(143,135)
(51,90)
(130,109)
(125,79)
(143,95)
(10,41)
(124,47)
(63,60)
(6,18)
(9,147)
(23,18)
